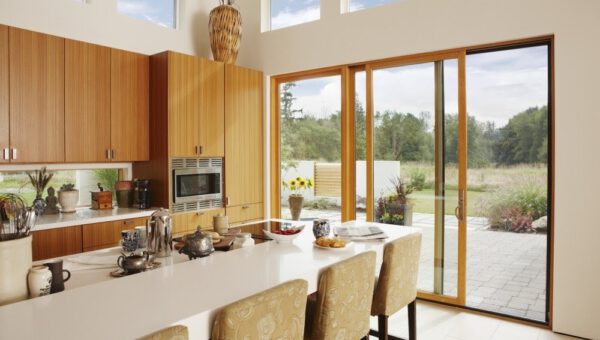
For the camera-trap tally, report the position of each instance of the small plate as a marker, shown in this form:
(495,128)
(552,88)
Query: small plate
(348,244)
(120,272)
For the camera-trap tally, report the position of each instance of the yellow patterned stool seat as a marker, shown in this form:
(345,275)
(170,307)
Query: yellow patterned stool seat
(277,313)
(397,283)
(343,301)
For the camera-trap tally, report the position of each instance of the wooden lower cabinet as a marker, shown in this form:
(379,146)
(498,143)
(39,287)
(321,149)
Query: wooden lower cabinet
(58,242)
(188,222)
(108,234)
(245,213)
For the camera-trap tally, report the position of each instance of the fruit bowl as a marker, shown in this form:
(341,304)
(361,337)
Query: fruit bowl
(286,235)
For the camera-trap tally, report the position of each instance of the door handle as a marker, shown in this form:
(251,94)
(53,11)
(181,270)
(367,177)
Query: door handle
(14,153)
(112,154)
(459,211)
(196,150)
(6,154)
(200,149)
(107,153)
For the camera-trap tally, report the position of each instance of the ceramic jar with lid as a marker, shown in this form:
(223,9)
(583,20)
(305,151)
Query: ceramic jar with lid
(243,240)
(39,280)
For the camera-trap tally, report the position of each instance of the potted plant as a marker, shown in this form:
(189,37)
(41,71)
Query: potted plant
(296,200)
(395,208)
(15,247)
(39,180)
(68,197)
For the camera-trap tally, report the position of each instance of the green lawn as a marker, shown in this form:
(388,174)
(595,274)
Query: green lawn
(424,201)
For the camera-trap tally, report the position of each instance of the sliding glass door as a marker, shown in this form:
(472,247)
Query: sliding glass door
(413,160)
(392,142)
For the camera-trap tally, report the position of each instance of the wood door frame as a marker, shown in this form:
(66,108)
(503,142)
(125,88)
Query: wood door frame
(368,66)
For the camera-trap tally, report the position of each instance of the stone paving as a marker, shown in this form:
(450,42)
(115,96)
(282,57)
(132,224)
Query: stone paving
(506,272)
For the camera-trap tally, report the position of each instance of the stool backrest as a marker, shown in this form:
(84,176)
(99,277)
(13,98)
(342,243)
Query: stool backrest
(344,298)
(397,284)
(276,313)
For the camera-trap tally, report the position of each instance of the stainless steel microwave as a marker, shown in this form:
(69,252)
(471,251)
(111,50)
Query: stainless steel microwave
(197,184)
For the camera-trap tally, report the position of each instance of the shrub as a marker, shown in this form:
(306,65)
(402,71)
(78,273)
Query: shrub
(391,208)
(417,179)
(515,206)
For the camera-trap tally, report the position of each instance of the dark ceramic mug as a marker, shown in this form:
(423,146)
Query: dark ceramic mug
(58,279)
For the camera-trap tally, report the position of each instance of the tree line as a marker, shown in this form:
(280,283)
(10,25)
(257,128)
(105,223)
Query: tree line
(410,137)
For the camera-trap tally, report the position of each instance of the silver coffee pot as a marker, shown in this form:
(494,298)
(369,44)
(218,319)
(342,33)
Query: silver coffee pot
(159,233)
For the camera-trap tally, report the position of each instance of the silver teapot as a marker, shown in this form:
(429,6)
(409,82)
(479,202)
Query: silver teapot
(197,245)
(159,233)
(134,263)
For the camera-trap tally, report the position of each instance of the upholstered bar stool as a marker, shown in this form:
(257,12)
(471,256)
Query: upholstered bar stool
(276,313)
(171,333)
(343,300)
(397,284)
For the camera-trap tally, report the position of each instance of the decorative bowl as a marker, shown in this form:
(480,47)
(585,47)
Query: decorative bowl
(284,235)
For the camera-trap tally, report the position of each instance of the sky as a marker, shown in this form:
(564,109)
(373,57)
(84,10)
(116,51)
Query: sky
(499,85)
(286,13)
(160,12)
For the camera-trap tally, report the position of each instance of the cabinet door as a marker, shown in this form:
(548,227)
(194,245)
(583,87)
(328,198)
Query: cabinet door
(58,242)
(185,223)
(245,212)
(87,102)
(107,234)
(129,118)
(196,116)
(37,94)
(4,94)
(212,106)
(243,136)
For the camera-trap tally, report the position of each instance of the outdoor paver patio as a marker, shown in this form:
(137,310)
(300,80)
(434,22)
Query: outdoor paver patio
(506,272)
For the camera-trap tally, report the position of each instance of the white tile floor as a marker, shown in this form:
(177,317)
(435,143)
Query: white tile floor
(439,322)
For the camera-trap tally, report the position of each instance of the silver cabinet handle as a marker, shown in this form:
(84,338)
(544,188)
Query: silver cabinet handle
(6,154)
(107,153)
(14,153)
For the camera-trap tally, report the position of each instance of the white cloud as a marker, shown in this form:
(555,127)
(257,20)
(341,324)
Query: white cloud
(287,17)
(497,89)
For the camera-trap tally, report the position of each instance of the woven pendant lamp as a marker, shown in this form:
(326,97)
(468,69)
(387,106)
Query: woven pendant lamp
(225,31)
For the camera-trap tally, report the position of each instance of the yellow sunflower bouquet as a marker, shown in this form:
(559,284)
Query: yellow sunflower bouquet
(296,185)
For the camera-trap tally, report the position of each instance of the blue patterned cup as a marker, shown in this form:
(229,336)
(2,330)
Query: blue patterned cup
(129,240)
(321,228)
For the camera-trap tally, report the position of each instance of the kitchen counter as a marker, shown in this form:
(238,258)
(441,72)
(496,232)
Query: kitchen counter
(88,216)
(187,293)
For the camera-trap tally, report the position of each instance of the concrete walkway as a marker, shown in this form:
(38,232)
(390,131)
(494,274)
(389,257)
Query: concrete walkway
(506,272)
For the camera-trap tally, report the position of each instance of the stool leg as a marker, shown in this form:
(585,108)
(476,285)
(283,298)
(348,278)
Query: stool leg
(412,320)
(382,330)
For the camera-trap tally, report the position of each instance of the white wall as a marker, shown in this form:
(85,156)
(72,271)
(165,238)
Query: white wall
(414,26)
(98,22)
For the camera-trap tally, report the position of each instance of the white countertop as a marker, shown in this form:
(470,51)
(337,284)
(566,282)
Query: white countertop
(88,216)
(188,293)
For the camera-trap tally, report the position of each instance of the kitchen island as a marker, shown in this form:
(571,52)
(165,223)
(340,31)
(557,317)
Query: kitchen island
(188,293)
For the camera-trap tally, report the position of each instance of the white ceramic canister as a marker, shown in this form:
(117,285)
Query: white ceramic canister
(40,281)
(15,261)
(221,224)
(243,240)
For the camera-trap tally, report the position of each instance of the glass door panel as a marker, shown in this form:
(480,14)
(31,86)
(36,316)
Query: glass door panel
(310,143)
(415,162)
(508,180)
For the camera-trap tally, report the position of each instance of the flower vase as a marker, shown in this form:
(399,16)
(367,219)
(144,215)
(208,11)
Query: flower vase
(39,205)
(296,202)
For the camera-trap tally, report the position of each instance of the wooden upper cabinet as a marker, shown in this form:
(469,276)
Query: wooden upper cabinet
(87,102)
(243,136)
(184,104)
(37,93)
(4,117)
(129,119)
(195,96)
